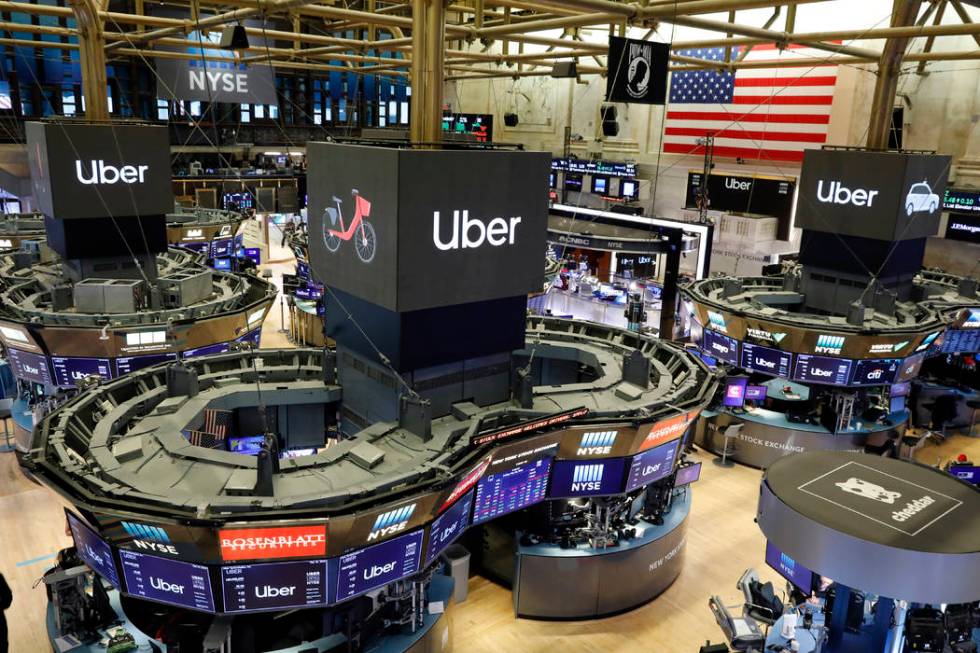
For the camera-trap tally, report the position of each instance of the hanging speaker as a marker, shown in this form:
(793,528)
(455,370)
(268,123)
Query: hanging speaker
(608,112)
(233,37)
(510,119)
(610,128)
(564,69)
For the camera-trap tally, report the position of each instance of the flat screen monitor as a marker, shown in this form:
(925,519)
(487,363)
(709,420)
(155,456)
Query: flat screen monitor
(255,254)
(92,549)
(720,346)
(218,348)
(600,185)
(274,586)
(629,189)
(69,371)
(303,270)
(223,264)
(896,404)
(961,341)
(167,581)
(651,465)
(129,364)
(29,366)
(378,565)
(687,475)
(789,569)
(735,392)
(448,526)
(901,389)
(710,361)
(584,478)
(755,392)
(250,444)
(910,368)
(880,371)
(968,473)
(200,248)
(552,179)
(822,369)
(573,182)
(511,490)
(222,248)
(766,360)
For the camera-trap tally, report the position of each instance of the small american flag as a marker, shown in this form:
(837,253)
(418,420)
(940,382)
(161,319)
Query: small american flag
(766,114)
(216,422)
(202,439)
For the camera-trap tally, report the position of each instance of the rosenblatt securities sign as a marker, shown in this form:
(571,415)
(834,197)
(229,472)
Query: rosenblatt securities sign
(216,76)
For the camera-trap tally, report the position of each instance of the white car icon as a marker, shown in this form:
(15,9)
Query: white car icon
(921,198)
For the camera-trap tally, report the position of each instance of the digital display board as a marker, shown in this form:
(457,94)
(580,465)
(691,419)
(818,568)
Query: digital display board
(822,369)
(963,227)
(592,166)
(961,200)
(743,194)
(167,581)
(876,371)
(135,363)
(583,478)
(448,526)
(735,392)
(910,368)
(720,346)
(961,341)
(222,248)
(303,270)
(600,185)
(218,348)
(652,465)
(789,569)
(32,367)
(629,189)
(93,550)
(766,360)
(274,586)
(511,490)
(479,125)
(378,565)
(756,392)
(687,475)
(69,371)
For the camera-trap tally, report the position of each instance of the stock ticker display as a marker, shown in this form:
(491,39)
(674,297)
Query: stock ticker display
(378,565)
(274,586)
(448,526)
(167,581)
(652,465)
(93,550)
(511,490)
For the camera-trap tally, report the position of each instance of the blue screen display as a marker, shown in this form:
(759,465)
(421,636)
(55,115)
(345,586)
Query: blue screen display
(135,363)
(579,478)
(255,254)
(29,366)
(218,348)
(822,369)
(69,371)
(910,368)
(511,490)
(876,372)
(93,550)
(961,341)
(652,465)
(251,444)
(789,569)
(766,360)
(167,581)
(302,270)
(274,586)
(378,565)
(222,248)
(448,526)
(721,347)
(223,264)
(252,337)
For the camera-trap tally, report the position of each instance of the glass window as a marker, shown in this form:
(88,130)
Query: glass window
(259,111)
(273,111)
(163,110)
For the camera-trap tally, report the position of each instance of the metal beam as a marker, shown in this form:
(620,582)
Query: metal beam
(904,12)
(91,54)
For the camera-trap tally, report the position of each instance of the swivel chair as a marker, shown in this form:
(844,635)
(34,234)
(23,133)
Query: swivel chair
(925,630)
(761,602)
(742,633)
(730,433)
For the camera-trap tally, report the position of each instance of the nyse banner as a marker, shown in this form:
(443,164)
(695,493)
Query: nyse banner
(81,170)
(881,195)
(637,71)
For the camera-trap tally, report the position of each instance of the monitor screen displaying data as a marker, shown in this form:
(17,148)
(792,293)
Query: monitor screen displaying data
(687,475)
(822,369)
(135,363)
(167,581)
(29,366)
(69,371)
(876,371)
(720,346)
(652,465)
(378,565)
(583,478)
(218,348)
(507,491)
(788,568)
(274,586)
(93,550)
(766,360)
(448,526)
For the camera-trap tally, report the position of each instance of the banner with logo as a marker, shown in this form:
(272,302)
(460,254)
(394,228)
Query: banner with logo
(961,226)
(637,71)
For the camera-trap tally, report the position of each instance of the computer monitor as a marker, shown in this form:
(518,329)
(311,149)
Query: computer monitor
(687,475)
(710,361)
(600,185)
(735,392)
(573,182)
(789,568)
(629,189)
(755,392)
(553,180)
(896,404)
(222,264)
(901,389)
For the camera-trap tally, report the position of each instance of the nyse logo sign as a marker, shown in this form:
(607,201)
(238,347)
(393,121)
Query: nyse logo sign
(597,443)
(150,538)
(717,321)
(273,542)
(391,522)
(587,478)
(832,345)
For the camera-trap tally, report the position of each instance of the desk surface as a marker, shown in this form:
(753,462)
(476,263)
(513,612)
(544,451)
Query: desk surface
(773,418)
(645,533)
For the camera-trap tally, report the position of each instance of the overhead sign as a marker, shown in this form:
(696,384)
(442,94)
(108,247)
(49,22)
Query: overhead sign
(81,170)
(216,76)
(961,200)
(595,167)
(960,226)
(743,193)
(603,244)
(386,224)
(637,71)
(271,543)
(880,195)
(525,428)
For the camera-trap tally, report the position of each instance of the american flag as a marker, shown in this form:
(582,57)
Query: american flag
(216,422)
(767,114)
(202,439)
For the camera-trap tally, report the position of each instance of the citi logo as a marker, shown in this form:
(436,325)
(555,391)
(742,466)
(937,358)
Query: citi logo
(165,586)
(390,522)
(378,570)
(838,193)
(99,172)
(717,321)
(875,375)
(470,233)
(829,344)
(150,538)
(587,478)
(595,443)
(270,592)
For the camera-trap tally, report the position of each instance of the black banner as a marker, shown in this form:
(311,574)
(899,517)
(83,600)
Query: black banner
(637,71)
(961,226)
(743,194)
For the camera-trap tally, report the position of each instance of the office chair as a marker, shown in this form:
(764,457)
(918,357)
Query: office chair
(742,633)
(730,433)
(761,602)
(925,630)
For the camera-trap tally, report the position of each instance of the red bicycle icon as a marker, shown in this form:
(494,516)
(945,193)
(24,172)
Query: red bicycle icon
(365,240)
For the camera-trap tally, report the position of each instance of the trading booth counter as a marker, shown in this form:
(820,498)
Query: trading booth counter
(767,435)
(556,583)
(433,636)
(890,527)
(23,419)
(306,324)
